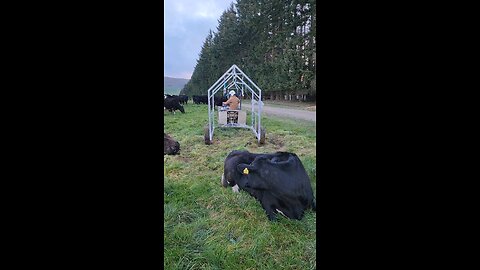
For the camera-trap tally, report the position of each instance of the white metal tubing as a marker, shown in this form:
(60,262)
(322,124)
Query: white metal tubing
(253,83)
(211,102)
(253,111)
(244,83)
(235,73)
(226,78)
(215,90)
(259,118)
(209,121)
(219,79)
(232,84)
(213,118)
(248,78)
(249,88)
(218,87)
(212,112)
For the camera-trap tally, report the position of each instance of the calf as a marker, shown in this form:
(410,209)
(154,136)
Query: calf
(172,104)
(170,146)
(278,181)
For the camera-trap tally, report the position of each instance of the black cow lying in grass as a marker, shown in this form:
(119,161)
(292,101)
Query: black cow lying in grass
(279,181)
(170,146)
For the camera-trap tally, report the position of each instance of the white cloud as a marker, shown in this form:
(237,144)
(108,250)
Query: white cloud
(209,9)
(195,8)
(186,25)
(180,10)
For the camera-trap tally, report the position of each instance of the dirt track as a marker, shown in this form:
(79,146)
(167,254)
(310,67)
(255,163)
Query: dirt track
(287,113)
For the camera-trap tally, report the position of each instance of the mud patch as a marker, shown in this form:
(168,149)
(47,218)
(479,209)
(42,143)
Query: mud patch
(184,159)
(275,140)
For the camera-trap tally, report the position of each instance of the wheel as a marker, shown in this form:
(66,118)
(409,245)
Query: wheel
(262,136)
(206,135)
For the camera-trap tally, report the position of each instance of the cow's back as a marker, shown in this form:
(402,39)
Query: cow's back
(279,181)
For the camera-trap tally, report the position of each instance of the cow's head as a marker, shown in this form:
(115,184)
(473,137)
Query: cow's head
(231,176)
(279,181)
(241,167)
(181,109)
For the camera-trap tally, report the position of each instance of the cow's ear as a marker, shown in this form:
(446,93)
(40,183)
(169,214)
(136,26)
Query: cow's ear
(244,168)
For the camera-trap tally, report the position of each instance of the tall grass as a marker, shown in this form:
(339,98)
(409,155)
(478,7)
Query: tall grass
(207,226)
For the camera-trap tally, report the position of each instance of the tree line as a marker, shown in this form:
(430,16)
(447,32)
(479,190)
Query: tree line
(273,42)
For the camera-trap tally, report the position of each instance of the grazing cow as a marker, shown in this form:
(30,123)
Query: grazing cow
(170,146)
(279,181)
(172,104)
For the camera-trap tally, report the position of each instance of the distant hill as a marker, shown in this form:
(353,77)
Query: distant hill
(173,85)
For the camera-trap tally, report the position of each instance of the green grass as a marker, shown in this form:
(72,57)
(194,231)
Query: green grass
(207,226)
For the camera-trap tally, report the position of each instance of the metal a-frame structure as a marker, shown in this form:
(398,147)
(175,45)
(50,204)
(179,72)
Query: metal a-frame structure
(235,78)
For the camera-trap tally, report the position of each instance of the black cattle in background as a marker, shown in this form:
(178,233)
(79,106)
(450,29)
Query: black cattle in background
(200,99)
(195,99)
(278,181)
(219,100)
(204,100)
(183,99)
(172,103)
(170,146)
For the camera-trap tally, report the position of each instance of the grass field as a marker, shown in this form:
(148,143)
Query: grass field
(207,226)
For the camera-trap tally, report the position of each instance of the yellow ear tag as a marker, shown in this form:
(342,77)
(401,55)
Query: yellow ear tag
(245,171)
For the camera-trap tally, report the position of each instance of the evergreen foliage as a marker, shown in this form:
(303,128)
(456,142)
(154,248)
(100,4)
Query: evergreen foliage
(272,41)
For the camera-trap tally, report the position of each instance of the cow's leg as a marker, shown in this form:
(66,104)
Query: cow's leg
(283,214)
(269,209)
(285,210)
(223,182)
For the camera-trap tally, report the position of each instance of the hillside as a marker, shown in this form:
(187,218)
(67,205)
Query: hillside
(173,85)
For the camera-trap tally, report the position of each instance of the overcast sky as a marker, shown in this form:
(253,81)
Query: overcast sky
(186,25)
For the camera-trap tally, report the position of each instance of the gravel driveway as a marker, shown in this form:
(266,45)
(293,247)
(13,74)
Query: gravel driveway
(284,112)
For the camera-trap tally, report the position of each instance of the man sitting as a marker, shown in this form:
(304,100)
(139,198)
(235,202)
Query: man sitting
(233,101)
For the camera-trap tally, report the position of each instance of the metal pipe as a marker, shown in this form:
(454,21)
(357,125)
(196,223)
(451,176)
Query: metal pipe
(219,79)
(209,120)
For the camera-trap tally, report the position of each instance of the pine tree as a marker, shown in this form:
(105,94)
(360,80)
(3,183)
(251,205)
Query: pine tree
(273,42)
